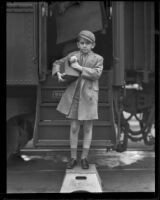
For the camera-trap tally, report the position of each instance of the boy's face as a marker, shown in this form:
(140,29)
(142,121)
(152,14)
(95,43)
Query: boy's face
(85,46)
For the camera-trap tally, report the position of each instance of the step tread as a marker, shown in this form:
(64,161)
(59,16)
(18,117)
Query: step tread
(55,104)
(62,87)
(67,122)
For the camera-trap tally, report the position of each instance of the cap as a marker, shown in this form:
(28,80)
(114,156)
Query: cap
(88,35)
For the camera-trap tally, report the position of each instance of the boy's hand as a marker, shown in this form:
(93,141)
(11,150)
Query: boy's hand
(73,59)
(74,63)
(60,77)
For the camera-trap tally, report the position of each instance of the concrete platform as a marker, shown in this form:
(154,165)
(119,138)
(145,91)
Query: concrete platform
(130,171)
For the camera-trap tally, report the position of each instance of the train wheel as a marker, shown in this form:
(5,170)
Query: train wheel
(19,132)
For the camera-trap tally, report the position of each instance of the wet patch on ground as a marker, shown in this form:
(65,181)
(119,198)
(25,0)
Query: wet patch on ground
(126,159)
(110,160)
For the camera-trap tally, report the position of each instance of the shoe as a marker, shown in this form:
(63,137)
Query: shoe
(84,163)
(72,163)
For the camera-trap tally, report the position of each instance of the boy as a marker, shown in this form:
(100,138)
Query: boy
(80,100)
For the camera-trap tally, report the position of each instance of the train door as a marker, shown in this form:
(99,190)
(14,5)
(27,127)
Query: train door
(64,21)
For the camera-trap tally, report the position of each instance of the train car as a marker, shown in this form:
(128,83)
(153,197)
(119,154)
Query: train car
(38,33)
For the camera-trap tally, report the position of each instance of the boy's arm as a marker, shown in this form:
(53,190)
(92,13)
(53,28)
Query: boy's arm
(93,73)
(57,65)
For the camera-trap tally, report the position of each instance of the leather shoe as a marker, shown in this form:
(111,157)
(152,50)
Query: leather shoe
(71,163)
(84,163)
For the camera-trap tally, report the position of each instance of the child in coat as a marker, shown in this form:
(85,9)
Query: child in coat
(80,100)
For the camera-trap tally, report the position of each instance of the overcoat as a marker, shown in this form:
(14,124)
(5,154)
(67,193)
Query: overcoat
(89,86)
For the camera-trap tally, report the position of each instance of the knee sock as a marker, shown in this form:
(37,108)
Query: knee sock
(87,138)
(75,126)
(84,153)
(74,153)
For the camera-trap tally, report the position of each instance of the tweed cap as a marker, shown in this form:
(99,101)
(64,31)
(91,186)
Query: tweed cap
(88,35)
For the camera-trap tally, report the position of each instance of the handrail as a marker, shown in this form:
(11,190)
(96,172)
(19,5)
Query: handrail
(35,134)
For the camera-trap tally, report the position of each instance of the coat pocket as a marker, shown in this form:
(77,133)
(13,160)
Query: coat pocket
(92,94)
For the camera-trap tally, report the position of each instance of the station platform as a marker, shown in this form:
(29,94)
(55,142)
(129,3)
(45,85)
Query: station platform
(44,171)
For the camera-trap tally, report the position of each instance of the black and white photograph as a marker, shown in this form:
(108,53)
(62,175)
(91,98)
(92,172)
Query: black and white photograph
(80,97)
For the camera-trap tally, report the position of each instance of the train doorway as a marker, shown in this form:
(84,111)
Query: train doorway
(60,35)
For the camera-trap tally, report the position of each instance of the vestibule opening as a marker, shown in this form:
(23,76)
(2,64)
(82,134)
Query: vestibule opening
(58,49)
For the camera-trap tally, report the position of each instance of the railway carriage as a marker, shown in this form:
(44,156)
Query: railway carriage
(38,33)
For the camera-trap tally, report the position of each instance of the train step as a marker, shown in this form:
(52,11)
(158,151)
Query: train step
(48,112)
(67,122)
(57,131)
(80,180)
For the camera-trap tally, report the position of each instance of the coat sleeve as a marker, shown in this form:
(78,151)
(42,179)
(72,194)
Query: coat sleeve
(58,64)
(95,72)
